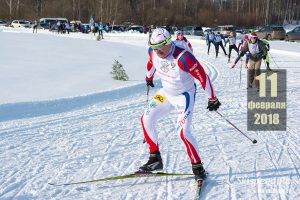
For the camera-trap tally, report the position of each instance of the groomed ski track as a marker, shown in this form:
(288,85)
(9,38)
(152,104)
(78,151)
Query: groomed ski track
(100,136)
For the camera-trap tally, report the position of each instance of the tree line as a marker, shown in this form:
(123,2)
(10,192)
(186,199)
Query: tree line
(160,12)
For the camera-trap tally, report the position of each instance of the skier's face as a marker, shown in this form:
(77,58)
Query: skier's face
(179,37)
(162,51)
(253,39)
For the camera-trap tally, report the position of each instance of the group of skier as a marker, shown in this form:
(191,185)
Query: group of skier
(216,39)
(177,67)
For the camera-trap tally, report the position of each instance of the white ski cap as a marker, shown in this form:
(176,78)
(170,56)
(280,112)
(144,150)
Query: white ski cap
(159,36)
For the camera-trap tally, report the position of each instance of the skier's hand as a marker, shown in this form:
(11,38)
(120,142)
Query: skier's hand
(150,83)
(213,104)
(246,66)
(233,66)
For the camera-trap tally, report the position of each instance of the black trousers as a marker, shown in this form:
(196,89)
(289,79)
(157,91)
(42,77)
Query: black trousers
(208,44)
(100,33)
(234,48)
(217,48)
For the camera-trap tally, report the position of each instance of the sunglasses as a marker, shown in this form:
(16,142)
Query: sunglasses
(159,45)
(251,37)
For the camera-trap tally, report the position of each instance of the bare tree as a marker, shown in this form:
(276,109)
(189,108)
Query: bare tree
(9,4)
(162,12)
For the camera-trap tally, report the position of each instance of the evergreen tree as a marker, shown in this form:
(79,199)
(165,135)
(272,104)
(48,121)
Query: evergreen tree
(118,72)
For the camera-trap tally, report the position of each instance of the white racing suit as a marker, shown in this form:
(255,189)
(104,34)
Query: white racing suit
(177,73)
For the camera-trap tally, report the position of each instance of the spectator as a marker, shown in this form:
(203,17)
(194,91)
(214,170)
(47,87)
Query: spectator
(49,26)
(100,29)
(35,26)
(107,27)
(144,29)
(58,24)
(151,30)
(68,27)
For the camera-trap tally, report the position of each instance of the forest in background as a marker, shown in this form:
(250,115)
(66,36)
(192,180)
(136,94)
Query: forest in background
(160,12)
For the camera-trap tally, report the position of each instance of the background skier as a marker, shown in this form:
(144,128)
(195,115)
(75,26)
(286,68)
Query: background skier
(257,51)
(181,41)
(210,38)
(218,42)
(232,44)
(241,47)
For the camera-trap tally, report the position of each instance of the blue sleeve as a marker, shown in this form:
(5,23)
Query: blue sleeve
(150,50)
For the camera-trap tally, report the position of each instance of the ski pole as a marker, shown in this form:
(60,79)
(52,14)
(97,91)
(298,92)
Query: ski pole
(148,89)
(265,65)
(241,72)
(274,60)
(253,141)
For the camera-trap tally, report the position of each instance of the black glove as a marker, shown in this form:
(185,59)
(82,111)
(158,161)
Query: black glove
(213,104)
(264,57)
(150,83)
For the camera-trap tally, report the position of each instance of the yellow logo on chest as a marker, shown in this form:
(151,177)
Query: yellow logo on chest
(159,98)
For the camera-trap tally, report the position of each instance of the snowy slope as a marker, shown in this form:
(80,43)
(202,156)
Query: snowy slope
(65,67)
(99,135)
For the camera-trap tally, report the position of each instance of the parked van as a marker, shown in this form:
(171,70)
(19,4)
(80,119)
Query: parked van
(225,30)
(45,22)
(192,30)
(271,32)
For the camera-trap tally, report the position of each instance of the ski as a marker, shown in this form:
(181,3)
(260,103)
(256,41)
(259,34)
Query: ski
(199,187)
(133,175)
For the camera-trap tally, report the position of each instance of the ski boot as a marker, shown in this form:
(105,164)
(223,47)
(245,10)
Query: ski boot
(154,163)
(199,171)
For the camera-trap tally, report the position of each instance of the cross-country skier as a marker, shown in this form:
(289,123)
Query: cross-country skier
(257,51)
(177,69)
(181,41)
(210,38)
(232,40)
(267,58)
(218,42)
(241,47)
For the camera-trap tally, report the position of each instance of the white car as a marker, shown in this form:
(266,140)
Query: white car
(20,24)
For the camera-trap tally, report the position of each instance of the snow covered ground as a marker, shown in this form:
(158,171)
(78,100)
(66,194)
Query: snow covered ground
(63,119)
